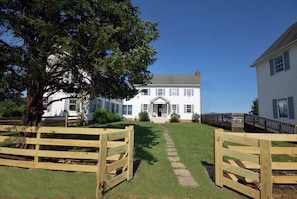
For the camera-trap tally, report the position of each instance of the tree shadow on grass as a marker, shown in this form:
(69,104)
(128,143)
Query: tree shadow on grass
(144,139)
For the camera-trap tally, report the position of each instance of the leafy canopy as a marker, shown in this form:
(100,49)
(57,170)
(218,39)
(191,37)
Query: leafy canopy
(96,47)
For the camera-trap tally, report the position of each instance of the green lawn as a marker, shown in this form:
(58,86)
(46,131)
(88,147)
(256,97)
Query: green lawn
(154,177)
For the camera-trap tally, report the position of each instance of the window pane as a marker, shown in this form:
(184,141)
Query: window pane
(282,105)
(129,109)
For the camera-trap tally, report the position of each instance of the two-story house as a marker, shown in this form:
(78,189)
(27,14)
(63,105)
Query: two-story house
(166,94)
(276,72)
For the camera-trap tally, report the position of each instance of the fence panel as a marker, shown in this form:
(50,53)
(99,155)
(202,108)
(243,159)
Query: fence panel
(106,152)
(250,163)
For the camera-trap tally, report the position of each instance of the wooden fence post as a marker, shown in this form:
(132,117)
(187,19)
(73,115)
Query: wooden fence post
(265,169)
(37,148)
(101,166)
(130,151)
(66,120)
(218,150)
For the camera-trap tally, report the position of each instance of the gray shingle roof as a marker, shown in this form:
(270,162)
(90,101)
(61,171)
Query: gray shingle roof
(175,80)
(288,38)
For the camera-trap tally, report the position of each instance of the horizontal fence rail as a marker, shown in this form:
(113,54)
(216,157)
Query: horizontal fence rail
(275,126)
(106,152)
(232,121)
(248,163)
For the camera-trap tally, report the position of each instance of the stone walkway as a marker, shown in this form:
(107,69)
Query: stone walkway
(183,175)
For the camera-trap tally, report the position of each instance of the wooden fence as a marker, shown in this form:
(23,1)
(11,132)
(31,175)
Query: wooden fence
(106,152)
(253,122)
(247,163)
(45,121)
(231,121)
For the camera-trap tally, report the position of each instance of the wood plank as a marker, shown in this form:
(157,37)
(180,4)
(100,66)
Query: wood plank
(265,169)
(241,171)
(253,193)
(231,175)
(69,142)
(284,165)
(284,179)
(115,180)
(17,163)
(256,150)
(66,167)
(241,156)
(68,154)
(240,139)
(17,151)
(218,145)
(117,164)
(118,135)
(117,150)
(130,152)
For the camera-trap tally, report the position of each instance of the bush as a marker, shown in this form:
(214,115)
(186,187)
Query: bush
(101,116)
(174,117)
(195,117)
(143,116)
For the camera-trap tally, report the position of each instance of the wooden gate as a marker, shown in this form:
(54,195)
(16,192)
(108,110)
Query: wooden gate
(106,152)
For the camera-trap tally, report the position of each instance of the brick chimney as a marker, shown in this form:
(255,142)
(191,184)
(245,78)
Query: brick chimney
(197,74)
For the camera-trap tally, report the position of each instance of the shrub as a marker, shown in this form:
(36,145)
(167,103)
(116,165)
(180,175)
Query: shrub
(195,117)
(101,116)
(174,117)
(143,116)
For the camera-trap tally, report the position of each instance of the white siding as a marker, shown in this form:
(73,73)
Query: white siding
(179,100)
(280,85)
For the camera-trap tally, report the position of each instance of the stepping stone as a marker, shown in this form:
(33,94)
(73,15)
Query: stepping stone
(170,153)
(187,181)
(182,172)
(171,150)
(173,159)
(176,165)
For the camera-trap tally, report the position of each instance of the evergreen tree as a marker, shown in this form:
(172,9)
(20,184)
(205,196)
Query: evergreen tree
(94,47)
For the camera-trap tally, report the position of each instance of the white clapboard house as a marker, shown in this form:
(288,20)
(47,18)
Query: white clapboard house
(164,95)
(276,72)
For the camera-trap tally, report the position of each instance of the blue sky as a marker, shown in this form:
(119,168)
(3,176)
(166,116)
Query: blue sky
(219,38)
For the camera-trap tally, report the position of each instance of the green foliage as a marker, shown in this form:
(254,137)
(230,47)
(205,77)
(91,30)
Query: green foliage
(195,117)
(255,108)
(101,116)
(102,46)
(11,108)
(174,117)
(144,116)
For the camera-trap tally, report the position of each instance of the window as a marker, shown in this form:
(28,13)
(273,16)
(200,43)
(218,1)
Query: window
(188,92)
(107,104)
(145,91)
(74,105)
(283,108)
(160,92)
(279,64)
(174,92)
(45,102)
(144,107)
(127,109)
(189,108)
(174,108)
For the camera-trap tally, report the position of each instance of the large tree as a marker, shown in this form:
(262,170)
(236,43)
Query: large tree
(94,47)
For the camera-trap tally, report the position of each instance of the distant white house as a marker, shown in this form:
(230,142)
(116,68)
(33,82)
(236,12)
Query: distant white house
(166,94)
(277,78)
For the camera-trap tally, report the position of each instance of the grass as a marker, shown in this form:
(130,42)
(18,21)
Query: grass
(154,177)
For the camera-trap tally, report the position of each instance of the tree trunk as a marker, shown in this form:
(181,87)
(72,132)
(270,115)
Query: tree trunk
(33,112)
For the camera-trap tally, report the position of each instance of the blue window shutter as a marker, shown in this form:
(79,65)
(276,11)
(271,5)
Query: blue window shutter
(271,67)
(274,104)
(291,108)
(287,61)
